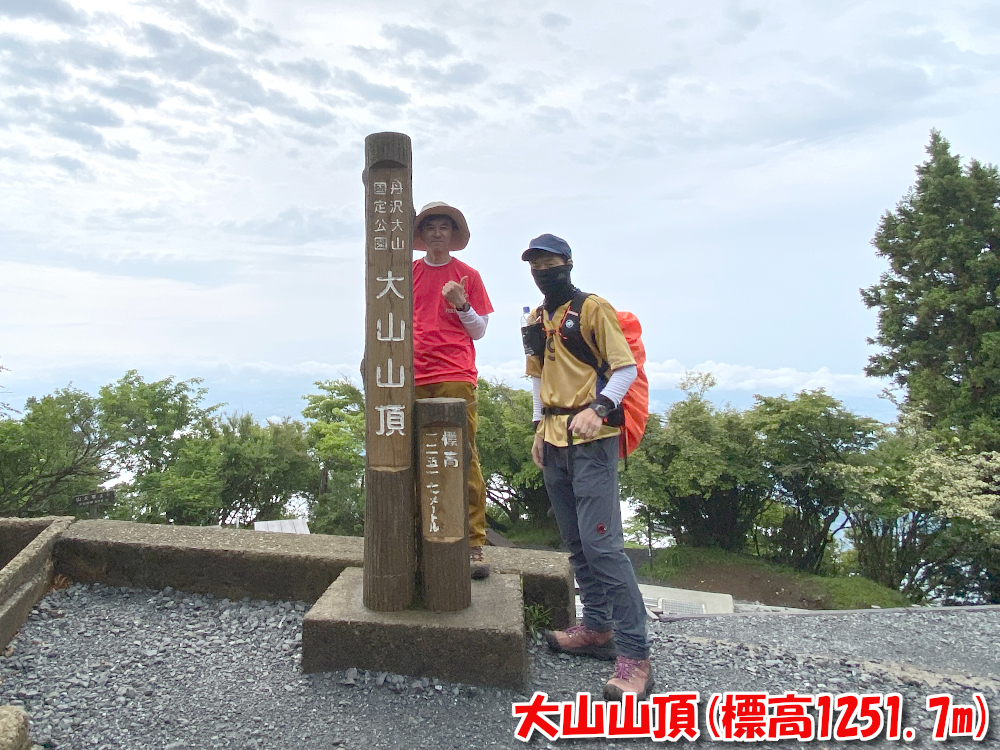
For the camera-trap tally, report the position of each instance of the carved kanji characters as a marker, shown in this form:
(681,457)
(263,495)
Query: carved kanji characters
(390,285)
(388,382)
(390,336)
(392,420)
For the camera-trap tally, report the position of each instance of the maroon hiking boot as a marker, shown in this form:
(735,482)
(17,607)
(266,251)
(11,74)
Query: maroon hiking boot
(631,676)
(579,640)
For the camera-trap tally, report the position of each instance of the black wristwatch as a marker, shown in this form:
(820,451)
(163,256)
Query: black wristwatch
(464,308)
(602,406)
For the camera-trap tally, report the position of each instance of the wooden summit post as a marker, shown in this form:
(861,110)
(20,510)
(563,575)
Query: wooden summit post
(390,548)
(444,453)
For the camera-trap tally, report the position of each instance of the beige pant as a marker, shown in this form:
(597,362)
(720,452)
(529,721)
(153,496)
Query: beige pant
(477,487)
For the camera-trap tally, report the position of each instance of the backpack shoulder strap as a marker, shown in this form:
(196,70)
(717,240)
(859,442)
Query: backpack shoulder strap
(571,333)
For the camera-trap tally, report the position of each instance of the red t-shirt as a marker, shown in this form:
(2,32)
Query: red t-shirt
(442,349)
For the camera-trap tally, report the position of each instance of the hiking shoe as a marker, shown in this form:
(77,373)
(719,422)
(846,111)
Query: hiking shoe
(477,562)
(580,640)
(631,676)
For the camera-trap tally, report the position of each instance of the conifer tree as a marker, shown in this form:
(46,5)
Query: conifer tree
(939,302)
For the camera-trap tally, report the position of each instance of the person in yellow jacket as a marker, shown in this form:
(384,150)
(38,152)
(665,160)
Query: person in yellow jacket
(578,455)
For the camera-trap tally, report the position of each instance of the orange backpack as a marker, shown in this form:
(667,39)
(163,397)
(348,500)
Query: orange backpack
(633,412)
(636,401)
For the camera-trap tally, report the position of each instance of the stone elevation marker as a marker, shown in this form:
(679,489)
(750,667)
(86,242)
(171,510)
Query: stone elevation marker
(390,550)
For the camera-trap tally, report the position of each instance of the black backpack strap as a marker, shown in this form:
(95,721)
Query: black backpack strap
(571,333)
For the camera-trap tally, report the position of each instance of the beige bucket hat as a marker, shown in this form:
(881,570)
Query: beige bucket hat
(459,239)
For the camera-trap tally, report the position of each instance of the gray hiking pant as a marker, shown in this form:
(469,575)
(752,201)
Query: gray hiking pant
(583,490)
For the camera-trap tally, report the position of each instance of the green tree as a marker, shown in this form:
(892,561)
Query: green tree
(56,450)
(150,422)
(238,473)
(504,437)
(187,493)
(5,409)
(700,472)
(69,442)
(812,448)
(939,302)
(336,435)
(929,514)
(891,530)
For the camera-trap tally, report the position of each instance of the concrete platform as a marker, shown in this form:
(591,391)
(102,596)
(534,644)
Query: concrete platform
(25,578)
(238,563)
(17,533)
(206,560)
(481,645)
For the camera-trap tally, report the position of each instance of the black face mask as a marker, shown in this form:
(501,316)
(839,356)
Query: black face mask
(555,284)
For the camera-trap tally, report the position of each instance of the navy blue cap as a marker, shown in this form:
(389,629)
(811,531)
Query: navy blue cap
(549,243)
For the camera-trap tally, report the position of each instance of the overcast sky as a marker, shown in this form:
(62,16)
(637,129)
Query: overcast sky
(182,194)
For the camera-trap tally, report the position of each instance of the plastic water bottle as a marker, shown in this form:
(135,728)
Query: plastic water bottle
(525,317)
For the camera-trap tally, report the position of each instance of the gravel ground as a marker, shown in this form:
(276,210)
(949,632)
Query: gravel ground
(100,667)
(932,639)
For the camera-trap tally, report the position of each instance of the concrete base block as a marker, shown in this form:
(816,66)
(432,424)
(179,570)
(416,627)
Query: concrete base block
(547,578)
(481,645)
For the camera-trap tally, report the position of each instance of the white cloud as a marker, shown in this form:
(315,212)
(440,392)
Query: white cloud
(729,377)
(787,380)
(181,177)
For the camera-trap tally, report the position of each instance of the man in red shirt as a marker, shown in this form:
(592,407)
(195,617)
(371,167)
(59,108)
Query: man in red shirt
(450,311)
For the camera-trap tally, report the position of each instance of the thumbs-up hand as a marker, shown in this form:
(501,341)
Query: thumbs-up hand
(454,292)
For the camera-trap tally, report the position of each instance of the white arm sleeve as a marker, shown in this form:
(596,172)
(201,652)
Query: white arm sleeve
(536,399)
(619,383)
(475,324)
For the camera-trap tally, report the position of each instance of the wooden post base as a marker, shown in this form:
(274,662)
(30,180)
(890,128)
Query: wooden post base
(443,452)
